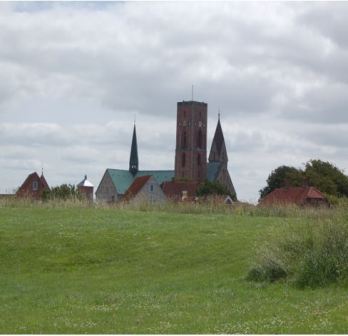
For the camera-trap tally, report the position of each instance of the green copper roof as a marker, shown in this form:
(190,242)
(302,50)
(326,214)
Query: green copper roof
(213,169)
(122,179)
(159,175)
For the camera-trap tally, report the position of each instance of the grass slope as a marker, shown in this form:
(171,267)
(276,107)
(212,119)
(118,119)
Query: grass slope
(121,271)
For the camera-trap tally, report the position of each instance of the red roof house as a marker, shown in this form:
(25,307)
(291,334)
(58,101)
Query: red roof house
(33,187)
(302,196)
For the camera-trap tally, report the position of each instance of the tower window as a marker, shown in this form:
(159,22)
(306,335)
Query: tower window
(184,139)
(199,139)
(183,160)
(198,159)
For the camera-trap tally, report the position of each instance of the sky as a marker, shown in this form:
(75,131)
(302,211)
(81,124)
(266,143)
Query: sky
(74,76)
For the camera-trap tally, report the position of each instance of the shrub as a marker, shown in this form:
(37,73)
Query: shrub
(310,255)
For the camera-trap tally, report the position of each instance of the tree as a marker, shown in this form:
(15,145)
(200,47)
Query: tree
(327,178)
(213,188)
(281,177)
(63,192)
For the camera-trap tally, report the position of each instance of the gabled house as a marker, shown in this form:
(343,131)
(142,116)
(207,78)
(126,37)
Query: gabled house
(301,196)
(33,186)
(115,182)
(144,189)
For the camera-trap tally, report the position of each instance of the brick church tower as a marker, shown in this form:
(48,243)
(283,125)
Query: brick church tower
(191,141)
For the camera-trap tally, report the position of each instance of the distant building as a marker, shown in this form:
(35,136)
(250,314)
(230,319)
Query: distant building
(191,166)
(33,187)
(145,189)
(86,189)
(301,196)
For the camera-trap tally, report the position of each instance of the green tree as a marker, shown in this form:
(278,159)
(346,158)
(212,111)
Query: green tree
(62,192)
(327,178)
(281,177)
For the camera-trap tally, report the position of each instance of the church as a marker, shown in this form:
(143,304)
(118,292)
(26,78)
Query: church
(191,165)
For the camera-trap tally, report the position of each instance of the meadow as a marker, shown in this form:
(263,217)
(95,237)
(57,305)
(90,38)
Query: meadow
(80,269)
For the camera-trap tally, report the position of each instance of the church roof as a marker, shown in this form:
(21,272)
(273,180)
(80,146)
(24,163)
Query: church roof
(122,179)
(219,137)
(213,169)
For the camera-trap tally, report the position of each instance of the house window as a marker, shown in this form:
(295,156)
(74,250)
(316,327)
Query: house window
(183,160)
(151,187)
(35,186)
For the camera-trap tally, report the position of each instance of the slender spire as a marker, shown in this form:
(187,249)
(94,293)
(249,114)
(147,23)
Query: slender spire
(133,160)
(218,151)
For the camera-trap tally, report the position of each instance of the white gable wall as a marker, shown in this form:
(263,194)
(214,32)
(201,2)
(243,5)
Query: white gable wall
(106,191)
(151,193)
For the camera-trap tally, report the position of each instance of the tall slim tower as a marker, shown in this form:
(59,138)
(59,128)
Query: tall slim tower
(191,141)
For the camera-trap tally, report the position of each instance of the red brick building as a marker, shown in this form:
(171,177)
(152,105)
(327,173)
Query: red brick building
(33,187)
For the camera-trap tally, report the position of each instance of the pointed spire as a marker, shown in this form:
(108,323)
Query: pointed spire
(218,151)
(133,160)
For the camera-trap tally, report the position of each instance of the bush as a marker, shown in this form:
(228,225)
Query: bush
(270,271)
(311,255)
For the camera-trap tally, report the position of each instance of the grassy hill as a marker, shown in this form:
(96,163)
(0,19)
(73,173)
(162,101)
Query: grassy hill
(83,270)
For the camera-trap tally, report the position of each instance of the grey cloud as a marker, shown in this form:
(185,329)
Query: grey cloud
(69,91)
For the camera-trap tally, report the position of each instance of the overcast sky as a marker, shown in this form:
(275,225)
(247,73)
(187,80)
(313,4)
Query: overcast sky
(74,75)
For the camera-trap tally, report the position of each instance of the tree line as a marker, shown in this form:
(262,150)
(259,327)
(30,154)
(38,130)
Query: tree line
(325,176)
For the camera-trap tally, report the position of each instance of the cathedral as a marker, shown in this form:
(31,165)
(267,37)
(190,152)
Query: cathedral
(191,165)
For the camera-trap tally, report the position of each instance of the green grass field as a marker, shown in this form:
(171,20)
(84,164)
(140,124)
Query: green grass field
(85,270)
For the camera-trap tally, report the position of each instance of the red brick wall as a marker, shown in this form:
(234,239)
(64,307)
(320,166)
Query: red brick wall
(192,121)
(87,192)
(28,189)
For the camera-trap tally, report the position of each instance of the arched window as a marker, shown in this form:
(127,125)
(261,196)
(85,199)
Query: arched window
(184,139)
(199,159)
(183,159)
(199,139)
(35,186)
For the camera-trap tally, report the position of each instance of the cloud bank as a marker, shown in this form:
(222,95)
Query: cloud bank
(74,75)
